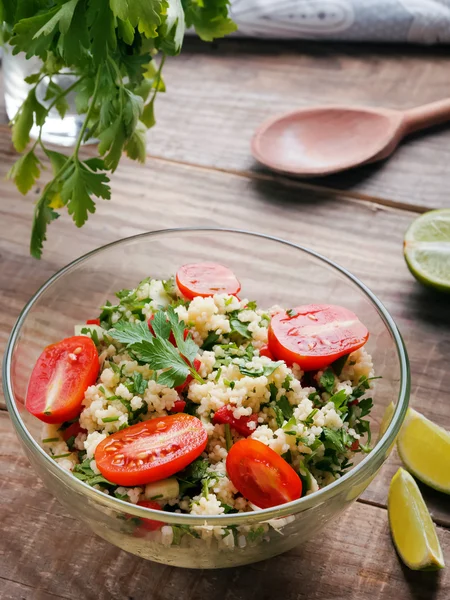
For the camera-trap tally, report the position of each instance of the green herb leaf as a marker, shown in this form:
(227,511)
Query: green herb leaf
(130,333)
(327,381)
(339,364)
(285,407)
(25,172)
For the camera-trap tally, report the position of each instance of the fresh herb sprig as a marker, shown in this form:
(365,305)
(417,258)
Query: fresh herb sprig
(174,360)
(109,47)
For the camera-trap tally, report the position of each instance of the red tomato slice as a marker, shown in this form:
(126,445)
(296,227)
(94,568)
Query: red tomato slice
(189,378)
(261,475)
(72,431)
(93,322)
(61,375)
(315,335)
(265,351)
(241,425)
(178,406)
(206,279)
(152,450)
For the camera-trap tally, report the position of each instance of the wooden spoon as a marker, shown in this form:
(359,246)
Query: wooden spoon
(311,142)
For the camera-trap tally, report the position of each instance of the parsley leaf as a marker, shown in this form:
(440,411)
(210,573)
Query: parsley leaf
(339,364)
(25,171)
(130,333)
(327,380)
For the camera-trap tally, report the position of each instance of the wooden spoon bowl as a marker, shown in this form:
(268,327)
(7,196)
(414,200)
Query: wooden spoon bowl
(317,141)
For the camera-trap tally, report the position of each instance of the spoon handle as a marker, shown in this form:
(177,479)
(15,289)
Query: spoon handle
(427,115)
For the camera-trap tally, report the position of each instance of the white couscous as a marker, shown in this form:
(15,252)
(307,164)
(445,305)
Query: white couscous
(226,419)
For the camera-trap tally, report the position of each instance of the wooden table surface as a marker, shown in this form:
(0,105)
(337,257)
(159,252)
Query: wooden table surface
(200,172)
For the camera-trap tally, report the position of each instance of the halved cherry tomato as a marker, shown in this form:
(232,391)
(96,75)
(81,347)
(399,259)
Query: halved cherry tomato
(355,446)
(152,450)
(60,377)
(178,406)
(72,431)
(315,335)
(189,378)
(206,279)
(241,425)
(265,351)
(93,322)
(148,524)
(261,475)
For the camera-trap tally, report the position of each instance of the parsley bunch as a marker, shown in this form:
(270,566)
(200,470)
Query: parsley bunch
(109,47)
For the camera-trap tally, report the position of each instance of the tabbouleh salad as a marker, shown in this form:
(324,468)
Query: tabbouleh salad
(183,397)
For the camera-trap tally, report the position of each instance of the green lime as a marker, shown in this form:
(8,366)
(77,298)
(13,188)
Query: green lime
(427,249)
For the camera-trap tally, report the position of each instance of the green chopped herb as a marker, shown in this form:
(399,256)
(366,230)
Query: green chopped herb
(139,383)
(339,364)
(70,442)
(228,437)
(62,455)
(291,312)
(110,419)
(238,327)
(218,374)
(210,341)
(310,418)
(327,380)
(339,400)
(285,407)
(251,305)
(157,497)
(254,534)
(50,440)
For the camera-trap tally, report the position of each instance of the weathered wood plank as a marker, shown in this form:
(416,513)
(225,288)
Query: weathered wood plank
(218,95)
(364,238)
(43,548)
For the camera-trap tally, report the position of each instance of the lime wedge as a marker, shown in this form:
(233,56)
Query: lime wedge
(427,249)
(425,451)
(411,526)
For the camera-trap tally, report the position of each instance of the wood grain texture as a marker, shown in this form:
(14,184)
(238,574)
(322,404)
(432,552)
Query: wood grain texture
(46,554)
(217,96)
(219,93)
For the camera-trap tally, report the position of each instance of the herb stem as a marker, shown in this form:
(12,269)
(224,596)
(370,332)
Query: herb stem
(88,116)
(195,374)
(228,437)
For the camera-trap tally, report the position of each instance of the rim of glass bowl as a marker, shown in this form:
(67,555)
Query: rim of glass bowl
(257,516)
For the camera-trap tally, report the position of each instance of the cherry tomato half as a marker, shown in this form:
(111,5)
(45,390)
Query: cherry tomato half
(206,279)
(261,475)
(152,450)
(241,425)
(315,335)
(60,377)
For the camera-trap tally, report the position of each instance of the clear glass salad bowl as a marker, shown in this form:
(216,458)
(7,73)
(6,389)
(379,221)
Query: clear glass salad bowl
(272,271)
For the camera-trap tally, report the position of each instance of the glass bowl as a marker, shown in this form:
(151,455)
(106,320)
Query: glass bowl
(272,271)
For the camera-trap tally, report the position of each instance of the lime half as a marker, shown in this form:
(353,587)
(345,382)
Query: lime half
(412,529)
(427,249)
